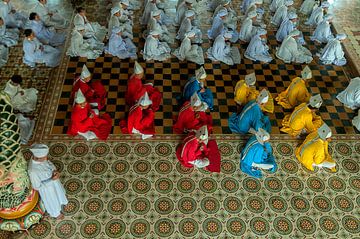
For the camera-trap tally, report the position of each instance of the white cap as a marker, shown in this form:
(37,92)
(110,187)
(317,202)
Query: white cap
(222,13)
(155,32)
(341,36)
(202,133)
(289,2)
(85,73)
(228,35)
(145,100)
(292,15)
(295,32)
(306,73)
(79,27)
(324,131)
(125,2)
(190,34)
(250,79)
(315,101)
(325,4)
(39,150)
(262,135)
(263,97)
(195,100)
(156,12)
(79,97)
(138,68)
(252,14)
(189,13)
(115,10)
(200,73)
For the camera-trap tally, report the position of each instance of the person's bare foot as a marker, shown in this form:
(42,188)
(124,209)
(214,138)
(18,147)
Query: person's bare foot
(60,217)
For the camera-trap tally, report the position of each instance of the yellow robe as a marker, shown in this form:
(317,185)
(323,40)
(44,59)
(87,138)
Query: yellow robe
(313,150)
(294,95)
(301,118)
(244,94)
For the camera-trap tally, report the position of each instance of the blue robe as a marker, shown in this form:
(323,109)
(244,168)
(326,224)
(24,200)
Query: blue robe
(35,52)
(192,86)
(254,152)
(45,35)
(217,28)
(258,50)
(285,28)
(250,117)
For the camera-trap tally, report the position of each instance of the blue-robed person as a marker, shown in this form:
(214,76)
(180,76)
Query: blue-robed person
(251,117)
(287,26)
(258,155)
(197,84)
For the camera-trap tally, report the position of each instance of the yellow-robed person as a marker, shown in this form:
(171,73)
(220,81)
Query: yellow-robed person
(297,92)
(313,152)
(303,119)
(245,91)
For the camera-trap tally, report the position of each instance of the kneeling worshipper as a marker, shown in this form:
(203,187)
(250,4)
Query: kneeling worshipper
(314,151)
(303,120)
(8,37)
(297,92)
(10,15)
(136,89)
(196,84)
(223,51)
(92,29)
(192,116)
(44,34)
(292,51)
(94,92)
(4,55)
(258,155)
(322,33)
(218,28)
(287,26)
(307,7)
(87,122)
(350,97)
(156,24)
(154,49)
(198,151)
(45,179)
(36,52)
(257,49)
(255,6)
(23,100)
(120,47)
(80,47)
(333,52)
(251,117)
(248,30)
(356,121)
(188,51)
(231,20)
(181,10)
(275,4)
(281,13)
(140,119)
(152,5)
(317,14)
(51,17)
(119,20)
(186,26)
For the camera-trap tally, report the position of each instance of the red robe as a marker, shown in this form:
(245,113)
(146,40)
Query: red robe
(94,91)
(189,120)
(142,120)
(81,122)
(136,89)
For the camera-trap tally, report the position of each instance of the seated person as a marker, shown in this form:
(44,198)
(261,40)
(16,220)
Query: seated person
(303,119)
(11,17)
(248,30)
(350,97)
(92,29)
(87,122)
(51,18)
(322,33)
(188,51)
(231,20)
(186,26)
(287,26)
(8,37)
(156,24)
(257,49)
(314,151)
(317,14)
(307,7)
(181,10)
(217,27)
(154,49)
(333,52)
(281,13)
(121,21)
(223,51)
(258,155)
(120,47)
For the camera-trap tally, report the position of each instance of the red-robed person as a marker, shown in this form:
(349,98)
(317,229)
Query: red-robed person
(136,89)
(140,119)
(87,122)
(198,151)
(94,92)
(192,116)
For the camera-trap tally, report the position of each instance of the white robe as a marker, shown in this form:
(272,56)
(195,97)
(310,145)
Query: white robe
(275,4)
(117,22)
(350,97)
(222,51)
(23,100)
(217,28)
(15,20)
(307,7)
(280,15)
(247,30)
(356,121)
(26,126)
(9,37)
(285,28)
(291,51)
(156,50)
(154,24)
(187,26)
(189,52)
(316,17)
(83,48)
(56,20)
(231,20)
(258,50)
(322,33)
(333,53)
(47,35)
(92,29)
(122,48)
(4,55)
(34,54)
(149,7)
(180,13)
(52,192)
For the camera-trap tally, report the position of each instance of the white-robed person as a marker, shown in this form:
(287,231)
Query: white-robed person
(92,29)
(156,24)
(292,51)
(11,17)
(45,179)
(45,34)
(257,49)
(217,26)
(186,26)
(188,51)
(154,49)
(307,7)
(119,20)
(317,14)
(223,51)
(8,36)
(255,6)
(275,4)
(248,30)
(36,52)
(120,47)
(350,97)
(80,47)
(333,52)
(151,5)
(51,17)
(231,20)
(322,33)
(4,55)
(181,10)
(281,13)
(287,26)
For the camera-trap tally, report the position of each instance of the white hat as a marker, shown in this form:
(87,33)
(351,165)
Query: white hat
(263,97)
(190,34)
(79,97)
(294,33)
(228,35)
(202,133)
(125,2)
(261,32)
(306,73)
(39,150)
(315,101)
(325,4)
(115,10)
(138,68)
(341,36)
(156,12)
(324,131)
(85,73)
(155,32)
(79,27)
(250,79)
(222,13)
(195,100)
(252,14)
(262,135)
(189,13)
(145,100)
(292,15)
(289,2)
(200,73)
